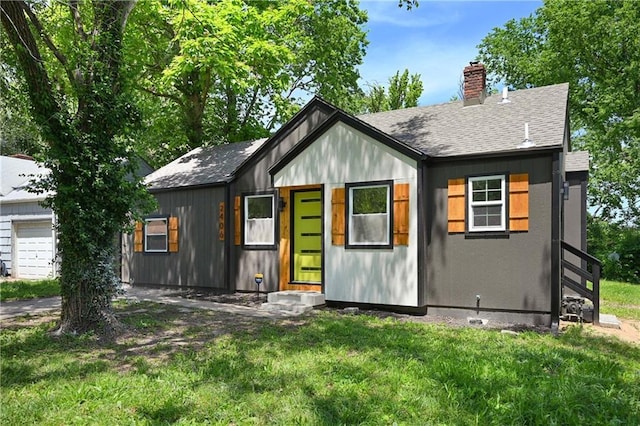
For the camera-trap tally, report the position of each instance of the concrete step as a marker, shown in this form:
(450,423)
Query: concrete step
(288,306)
(609,321)
(310,298)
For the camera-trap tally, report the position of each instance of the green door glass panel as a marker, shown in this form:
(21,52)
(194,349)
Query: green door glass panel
(307,236)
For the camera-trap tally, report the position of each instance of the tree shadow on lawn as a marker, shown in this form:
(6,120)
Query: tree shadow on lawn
(351,368)
(464,373)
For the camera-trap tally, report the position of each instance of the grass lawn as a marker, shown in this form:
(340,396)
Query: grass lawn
(15,290)
(204,367)
(620,299)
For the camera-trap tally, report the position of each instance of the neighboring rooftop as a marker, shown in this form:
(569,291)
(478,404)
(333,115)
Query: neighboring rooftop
(576,161)
(15,175)
(203,166)
(452,130)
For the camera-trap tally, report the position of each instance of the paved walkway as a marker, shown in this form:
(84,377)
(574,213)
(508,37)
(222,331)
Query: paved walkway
(39,306)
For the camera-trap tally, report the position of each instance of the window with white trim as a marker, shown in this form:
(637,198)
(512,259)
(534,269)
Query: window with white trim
(156,235)
(369,215)
(259,220)
(487,203)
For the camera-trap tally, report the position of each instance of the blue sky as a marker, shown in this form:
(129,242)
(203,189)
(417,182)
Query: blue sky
(436,40)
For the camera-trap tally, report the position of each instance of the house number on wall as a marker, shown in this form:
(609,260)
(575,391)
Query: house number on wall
(221,221)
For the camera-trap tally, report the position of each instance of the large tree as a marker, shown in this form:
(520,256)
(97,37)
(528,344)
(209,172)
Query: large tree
(70,55)
(233,70)
(403,91)
(593,45)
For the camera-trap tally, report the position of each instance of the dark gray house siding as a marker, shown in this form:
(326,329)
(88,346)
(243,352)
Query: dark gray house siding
(575,211)
(253,177)
(511,273)
(199,261)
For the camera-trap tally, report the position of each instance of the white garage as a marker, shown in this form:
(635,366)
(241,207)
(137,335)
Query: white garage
(34,250)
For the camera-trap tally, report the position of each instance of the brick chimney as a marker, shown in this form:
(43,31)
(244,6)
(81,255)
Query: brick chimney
(475,83)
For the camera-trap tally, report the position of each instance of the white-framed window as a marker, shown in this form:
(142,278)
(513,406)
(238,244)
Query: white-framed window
(487,203)
(369,215)
(156,235)
(259,220)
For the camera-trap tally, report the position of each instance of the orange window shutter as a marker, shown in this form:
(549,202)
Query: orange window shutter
(456,205)
(236,221)
(401,214)
(519,202)
(337,216)
(173,234)
(221,221)
(138,237)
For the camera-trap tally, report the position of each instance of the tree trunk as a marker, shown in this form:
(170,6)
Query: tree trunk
(92,198)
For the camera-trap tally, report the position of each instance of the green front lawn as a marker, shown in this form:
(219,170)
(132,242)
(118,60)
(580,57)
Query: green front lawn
(326,368)
(16,290)
(620,299)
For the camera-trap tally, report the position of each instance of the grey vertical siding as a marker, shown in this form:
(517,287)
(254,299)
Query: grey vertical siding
(199,261)
(575,220)
(511,273)
(575,210)
(255,177)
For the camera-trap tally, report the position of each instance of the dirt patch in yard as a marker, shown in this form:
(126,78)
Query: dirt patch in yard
(154,333)
(629,330)
(252,300)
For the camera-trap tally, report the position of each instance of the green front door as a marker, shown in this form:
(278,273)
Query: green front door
(307,237)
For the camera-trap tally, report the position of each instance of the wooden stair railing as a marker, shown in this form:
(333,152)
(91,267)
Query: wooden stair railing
(581,288)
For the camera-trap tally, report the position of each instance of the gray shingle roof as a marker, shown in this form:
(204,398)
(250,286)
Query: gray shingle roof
(576,161)
(203,166)
(438,130)
(450,129)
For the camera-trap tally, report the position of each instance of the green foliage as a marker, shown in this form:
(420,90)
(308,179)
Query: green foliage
(403,92)
(595,47)
(326,369)
(617,247)
(233,70)
(18,132)
(76,93)
(16,290)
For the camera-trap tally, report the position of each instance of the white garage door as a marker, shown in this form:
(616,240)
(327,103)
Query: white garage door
(34,250)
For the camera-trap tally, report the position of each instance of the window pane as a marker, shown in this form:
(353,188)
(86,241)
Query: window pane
(494,220)
(487,216)
(494,184)
(369,200)
(259,223)
(371,229)
(479,185)
(156,243)
(259,231)
(479,196)
(479,219)
(156,227)
(260,207)
(494,195)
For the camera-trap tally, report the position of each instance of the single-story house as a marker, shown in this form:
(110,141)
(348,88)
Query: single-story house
(454,209)
(27,234)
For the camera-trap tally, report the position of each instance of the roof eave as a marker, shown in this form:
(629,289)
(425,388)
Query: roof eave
(518,152)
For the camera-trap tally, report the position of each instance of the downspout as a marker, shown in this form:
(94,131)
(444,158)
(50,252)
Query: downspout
(422,218)
(556,223)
